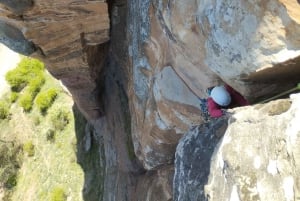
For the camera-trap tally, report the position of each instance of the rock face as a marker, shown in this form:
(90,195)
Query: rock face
(171,110)
(207,40)
(66,35)
(18,6)
(193,155)
(239,43)
(257,159)
(140,90)
(250,45)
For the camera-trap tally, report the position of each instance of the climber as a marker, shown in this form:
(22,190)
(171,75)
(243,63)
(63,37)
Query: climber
(222,98)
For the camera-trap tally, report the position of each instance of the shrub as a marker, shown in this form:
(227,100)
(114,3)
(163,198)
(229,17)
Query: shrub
(28,147)
(58,194)
(25,71)
(26,101)
(35,85)
(11,159)
(45,99)
(36,120)
(29,72)
(4,109)
(10,156)
(14,96)
(16,80)
(11,181)
(50,135)
(60,118)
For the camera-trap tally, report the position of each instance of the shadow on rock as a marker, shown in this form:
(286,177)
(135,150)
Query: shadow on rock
(91,158)
(192,160)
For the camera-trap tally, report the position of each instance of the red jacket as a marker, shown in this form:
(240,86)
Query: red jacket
(237,99)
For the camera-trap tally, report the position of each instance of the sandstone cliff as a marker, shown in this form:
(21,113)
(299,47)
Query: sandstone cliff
(138,76)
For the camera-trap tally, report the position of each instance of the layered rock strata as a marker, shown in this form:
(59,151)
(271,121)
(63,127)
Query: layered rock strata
(67,36)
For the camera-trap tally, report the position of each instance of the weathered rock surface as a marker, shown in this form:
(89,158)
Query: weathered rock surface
(163,107)
(257,159)
(239,42)
(193,158)
(18,6)
(66,35)
(252,46)
(140,90)
(156,185)
(170,110)
(233,39)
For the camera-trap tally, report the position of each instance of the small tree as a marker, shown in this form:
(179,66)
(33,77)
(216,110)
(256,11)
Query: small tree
(14,96)
(45,99)
(27,70)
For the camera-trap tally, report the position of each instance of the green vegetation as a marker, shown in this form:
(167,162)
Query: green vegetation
(26,101)
(26,71)
(11,159)
(50,135)
(28,147)
(4,109)
(45,99)
(28,75)
(14,96)
(36,84)
(60,117)
(46,131)
(91,161)
(58,194)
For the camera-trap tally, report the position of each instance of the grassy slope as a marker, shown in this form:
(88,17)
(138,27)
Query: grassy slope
(54,164)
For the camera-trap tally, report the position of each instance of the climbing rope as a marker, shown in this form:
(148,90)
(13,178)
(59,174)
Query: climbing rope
(282,94)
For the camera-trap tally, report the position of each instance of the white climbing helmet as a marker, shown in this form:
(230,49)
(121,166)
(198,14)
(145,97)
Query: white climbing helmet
(220,95)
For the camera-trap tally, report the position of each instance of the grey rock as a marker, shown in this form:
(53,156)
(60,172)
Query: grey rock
(17,6)
(192,160)
(14,39)
(257,158)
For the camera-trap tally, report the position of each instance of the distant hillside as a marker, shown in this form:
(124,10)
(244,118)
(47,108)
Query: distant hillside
(39,142)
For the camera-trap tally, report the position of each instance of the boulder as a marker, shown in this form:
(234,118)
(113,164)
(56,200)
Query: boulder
(257,158)
(193,160)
